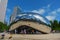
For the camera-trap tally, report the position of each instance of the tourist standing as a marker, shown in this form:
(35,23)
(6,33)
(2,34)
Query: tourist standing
(3,34)
(24,31)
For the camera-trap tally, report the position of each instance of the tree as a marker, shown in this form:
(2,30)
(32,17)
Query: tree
(55,25)
(3,27)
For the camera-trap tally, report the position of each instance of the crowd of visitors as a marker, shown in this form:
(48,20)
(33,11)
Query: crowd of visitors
(25,31)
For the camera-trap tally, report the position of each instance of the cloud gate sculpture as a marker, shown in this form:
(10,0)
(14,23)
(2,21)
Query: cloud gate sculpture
(30,19)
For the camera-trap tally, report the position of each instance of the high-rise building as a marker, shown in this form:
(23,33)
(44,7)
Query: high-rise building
(15,12)
(3,5)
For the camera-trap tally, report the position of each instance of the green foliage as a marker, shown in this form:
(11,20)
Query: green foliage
(55,25)
(3,27)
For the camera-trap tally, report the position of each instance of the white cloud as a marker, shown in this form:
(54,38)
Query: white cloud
(48,5)
(41,18)
(53,13)
(50,17)
(40,11)
(58,10)
(8,10)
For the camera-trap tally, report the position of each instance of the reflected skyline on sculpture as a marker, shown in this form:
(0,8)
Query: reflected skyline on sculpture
(18,14)
(32,16)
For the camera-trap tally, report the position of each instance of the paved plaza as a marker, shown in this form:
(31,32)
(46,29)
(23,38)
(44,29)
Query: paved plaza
(51,36)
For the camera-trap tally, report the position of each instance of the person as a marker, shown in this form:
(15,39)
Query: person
(21,32)
(3,34)
(24,31)
(15,31)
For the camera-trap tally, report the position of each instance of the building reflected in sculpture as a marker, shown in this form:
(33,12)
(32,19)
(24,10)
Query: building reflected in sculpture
(28,22)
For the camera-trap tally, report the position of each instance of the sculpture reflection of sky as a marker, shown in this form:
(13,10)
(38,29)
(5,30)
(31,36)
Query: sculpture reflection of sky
(31,15)
(48,8)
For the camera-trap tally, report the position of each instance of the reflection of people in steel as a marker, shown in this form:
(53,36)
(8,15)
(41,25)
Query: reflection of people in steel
(21,32)
(15,31)
(24,31)
(32,31)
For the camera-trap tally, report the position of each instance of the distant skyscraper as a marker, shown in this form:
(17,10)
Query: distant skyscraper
(16,12)
(3,5)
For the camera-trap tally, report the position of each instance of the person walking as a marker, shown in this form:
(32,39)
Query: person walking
(3,34)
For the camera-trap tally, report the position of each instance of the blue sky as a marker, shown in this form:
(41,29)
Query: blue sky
(48,8)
